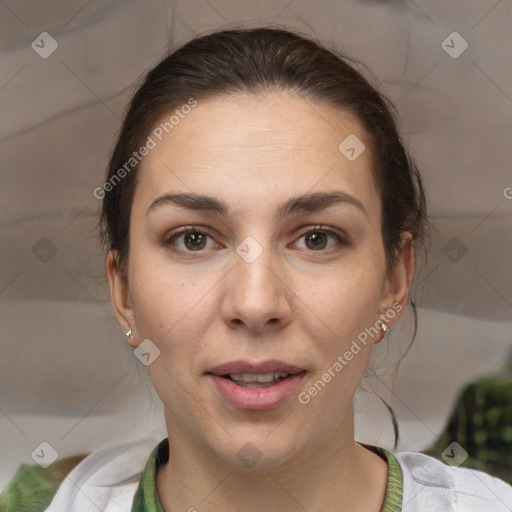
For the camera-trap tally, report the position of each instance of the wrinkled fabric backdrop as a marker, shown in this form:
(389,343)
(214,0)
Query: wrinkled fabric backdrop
(67,375)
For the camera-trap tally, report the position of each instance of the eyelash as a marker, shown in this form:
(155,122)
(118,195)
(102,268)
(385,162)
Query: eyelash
(341,240)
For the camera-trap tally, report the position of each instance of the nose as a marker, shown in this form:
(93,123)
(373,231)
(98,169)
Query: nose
(256,295)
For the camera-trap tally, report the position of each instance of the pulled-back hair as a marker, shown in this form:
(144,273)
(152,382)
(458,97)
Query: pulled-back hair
(254,61)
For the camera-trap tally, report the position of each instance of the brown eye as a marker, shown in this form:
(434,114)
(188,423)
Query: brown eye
(316,240)
(188,240)
(319,239)
(194,241)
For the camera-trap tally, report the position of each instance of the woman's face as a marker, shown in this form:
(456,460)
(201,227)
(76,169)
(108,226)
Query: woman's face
(272,277)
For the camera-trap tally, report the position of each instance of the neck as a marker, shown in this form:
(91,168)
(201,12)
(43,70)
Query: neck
(337,475)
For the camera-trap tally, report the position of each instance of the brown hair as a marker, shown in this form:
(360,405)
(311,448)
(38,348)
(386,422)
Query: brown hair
(258,60)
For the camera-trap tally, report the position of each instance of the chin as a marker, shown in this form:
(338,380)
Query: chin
(263,452)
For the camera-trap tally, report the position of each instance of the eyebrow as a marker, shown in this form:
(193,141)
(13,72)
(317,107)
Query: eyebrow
(306,203)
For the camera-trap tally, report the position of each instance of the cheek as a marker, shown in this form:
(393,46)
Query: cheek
(167,304)
(335,319)
(172,311)
(344,303)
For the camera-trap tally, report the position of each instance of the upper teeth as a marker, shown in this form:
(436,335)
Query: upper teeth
(257,377)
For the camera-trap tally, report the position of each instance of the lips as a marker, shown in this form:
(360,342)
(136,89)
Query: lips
(250,386)
(245,367)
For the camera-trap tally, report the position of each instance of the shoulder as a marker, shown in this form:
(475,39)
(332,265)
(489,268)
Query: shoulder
(429,484)
(106,479)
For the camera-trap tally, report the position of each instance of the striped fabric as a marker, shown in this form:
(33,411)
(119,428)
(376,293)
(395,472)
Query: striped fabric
(481,424)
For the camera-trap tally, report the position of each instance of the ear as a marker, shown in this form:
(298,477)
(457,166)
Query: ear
(397,282)
(119,295)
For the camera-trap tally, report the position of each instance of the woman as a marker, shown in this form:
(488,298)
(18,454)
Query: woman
(262,217)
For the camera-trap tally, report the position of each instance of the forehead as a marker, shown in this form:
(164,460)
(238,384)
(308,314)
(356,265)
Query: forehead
(254,146)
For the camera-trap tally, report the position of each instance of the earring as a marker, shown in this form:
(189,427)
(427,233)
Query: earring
(385,328)
(129,334)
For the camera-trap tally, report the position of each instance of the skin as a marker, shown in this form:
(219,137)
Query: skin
(299,304)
